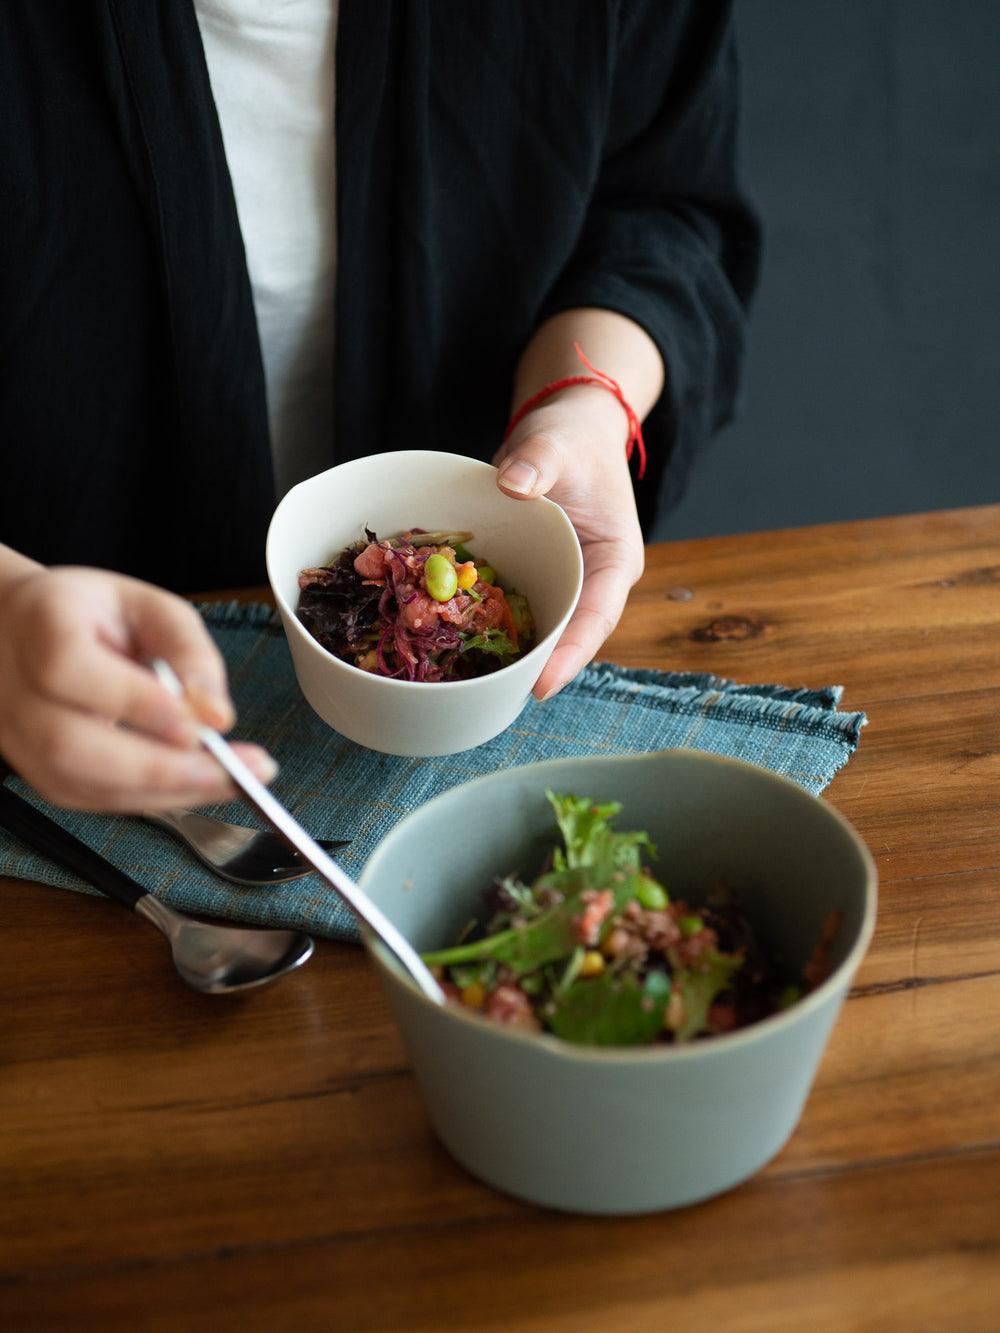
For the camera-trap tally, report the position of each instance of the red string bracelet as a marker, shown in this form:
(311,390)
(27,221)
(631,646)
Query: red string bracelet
(596,377)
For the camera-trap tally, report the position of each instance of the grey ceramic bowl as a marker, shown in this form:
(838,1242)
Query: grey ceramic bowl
(614,1131)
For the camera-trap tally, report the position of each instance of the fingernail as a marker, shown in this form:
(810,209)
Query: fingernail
(267,768)
(216,711)
(553,691)
(518,476)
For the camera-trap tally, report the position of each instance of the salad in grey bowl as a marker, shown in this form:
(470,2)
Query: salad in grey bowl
(645,957)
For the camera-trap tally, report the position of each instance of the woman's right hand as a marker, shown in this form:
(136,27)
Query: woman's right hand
(82,719)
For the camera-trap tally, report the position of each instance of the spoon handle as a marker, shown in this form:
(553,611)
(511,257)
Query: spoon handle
(51,839)
(280,819)
(276,814)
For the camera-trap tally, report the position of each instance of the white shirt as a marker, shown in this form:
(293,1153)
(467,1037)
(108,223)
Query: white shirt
(271,65)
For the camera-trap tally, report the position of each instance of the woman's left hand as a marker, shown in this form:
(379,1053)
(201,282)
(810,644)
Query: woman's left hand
(572,449)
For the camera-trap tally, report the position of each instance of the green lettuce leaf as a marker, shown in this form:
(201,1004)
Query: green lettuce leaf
(492,641)
(590,837)
(698,986)
(613,1009)
(551,936)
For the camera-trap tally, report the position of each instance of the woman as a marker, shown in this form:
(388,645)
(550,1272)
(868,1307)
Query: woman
(241,241)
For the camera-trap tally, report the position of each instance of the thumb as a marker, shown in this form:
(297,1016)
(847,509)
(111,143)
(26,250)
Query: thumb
(530,469)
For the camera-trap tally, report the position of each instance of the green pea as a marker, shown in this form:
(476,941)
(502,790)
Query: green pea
(690,925)
(487,573)
(440,577)
(652,896)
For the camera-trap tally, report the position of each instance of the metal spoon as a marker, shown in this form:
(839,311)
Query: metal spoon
(210,958)
(279,818)
(241,855)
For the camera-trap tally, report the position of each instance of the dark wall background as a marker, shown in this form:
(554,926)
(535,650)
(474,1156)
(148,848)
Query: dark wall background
(873,379)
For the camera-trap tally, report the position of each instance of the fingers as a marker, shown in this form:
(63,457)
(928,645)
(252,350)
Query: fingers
(601,603)
(569,458)
(568,659)
(175,631)
(80,761)
(109,672)
(85,763)
(566,443)
(531,469)
(82,717)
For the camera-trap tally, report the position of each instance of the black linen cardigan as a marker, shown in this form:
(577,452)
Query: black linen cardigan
(497,162)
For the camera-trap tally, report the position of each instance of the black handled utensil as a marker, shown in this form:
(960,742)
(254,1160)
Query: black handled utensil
(210,958)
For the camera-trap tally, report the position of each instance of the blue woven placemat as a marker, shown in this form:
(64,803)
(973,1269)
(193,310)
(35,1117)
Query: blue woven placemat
(338,789)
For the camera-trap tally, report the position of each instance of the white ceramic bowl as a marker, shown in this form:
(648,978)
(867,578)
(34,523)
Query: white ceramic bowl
(601,1130)
(531,544)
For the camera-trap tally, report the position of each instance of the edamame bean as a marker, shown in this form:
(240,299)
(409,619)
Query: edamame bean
(440,577)
(652,896)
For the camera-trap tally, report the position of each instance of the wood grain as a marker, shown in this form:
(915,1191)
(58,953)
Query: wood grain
(176,1162)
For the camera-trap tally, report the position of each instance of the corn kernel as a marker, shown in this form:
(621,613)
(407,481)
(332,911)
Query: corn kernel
(592,964)
(467,575)
(673,1015)
(474,995)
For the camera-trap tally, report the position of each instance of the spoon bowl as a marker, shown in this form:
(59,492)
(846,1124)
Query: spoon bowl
(210,958)
(218,959)
(242,855)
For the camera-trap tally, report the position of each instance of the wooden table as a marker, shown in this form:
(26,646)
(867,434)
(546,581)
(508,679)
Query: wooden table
(176,1162)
